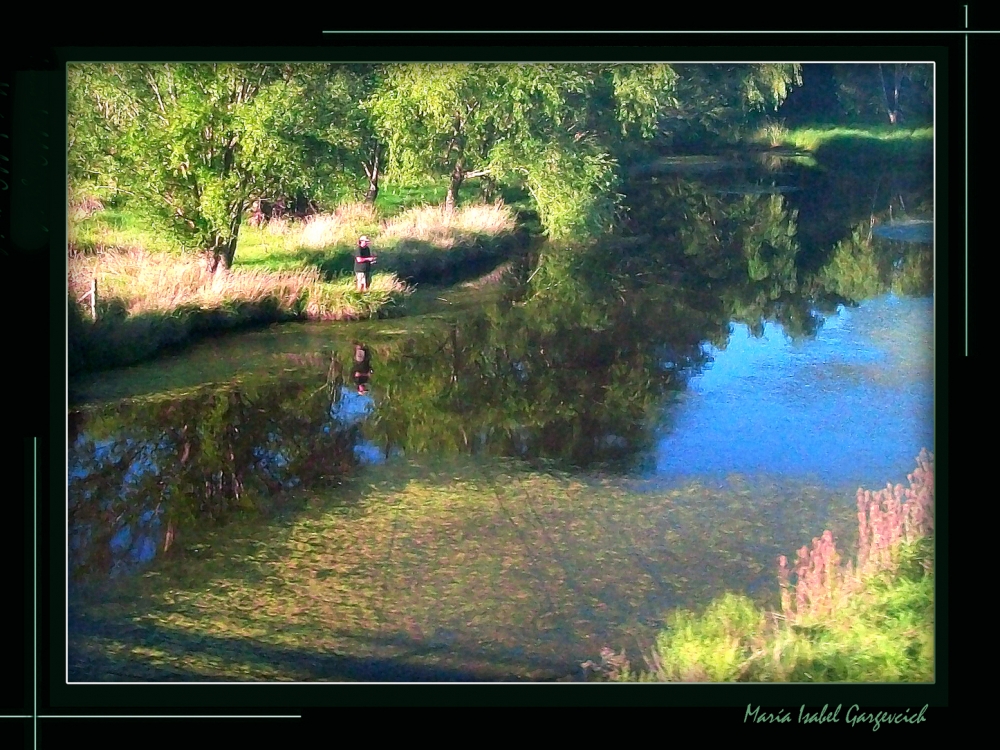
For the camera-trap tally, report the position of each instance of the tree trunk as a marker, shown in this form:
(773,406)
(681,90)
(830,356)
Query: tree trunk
(488,188)
(224,251)
(457,175)
(891,109)
(373,175)
(222,254)
(455,363)
(895,94)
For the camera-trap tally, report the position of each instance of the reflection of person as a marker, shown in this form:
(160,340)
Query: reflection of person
(363,261)
(362,367)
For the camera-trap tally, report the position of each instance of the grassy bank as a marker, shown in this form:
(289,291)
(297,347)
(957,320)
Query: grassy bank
(422,245)
(848,142)
(154,296)
(149,302)
(870,619)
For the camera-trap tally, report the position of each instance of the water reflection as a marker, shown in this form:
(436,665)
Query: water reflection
(362,370)
(850,408)
(595,358)
(543,503)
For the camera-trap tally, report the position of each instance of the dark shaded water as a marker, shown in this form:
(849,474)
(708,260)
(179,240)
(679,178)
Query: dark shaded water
(689,401)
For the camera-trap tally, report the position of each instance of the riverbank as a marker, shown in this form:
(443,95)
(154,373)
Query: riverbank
(866,619)
(152,297)
(827,142)
(437,568)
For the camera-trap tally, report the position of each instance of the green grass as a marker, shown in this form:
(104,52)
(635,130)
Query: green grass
(884,634)
(815,145)
(114,228)
(814,137)
(871,620)
(394,199)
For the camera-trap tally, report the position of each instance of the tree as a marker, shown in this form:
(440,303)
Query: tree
(543,126)
(893,92)
(198,142)
(350,145)
(439,120)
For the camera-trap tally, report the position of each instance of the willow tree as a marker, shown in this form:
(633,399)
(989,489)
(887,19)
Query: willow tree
(195,142)
(717,100)
(442,120)
(546,127)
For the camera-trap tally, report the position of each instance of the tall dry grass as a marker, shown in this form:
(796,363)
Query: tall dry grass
(147,282)
(144,282)
(420,225)
(436,226)
(342,227)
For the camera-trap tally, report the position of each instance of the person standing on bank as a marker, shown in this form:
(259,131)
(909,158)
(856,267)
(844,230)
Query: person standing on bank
(363,262)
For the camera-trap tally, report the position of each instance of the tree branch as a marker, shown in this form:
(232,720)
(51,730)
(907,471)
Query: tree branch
(156,90)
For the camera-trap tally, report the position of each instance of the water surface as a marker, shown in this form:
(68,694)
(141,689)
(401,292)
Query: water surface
(538,471)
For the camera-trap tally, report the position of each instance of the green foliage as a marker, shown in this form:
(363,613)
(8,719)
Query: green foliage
(506,121)
(767,85)
(553,128)
(572,189)
(197,142)
(869,93)
(721,100)
(714,647)
(643,93)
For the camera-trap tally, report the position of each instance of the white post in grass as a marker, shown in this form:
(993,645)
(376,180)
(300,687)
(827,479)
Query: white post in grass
(93,298)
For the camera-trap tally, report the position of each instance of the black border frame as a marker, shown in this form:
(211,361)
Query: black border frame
(946,48)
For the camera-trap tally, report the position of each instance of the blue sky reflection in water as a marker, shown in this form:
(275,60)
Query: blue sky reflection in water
(851,407)
(352,407)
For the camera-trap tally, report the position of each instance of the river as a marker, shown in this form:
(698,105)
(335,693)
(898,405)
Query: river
(537,469)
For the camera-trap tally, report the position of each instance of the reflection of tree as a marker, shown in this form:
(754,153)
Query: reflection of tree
(188,460)
(741,250)
(831,204)
(537,379)
(756,259)
(863,266)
